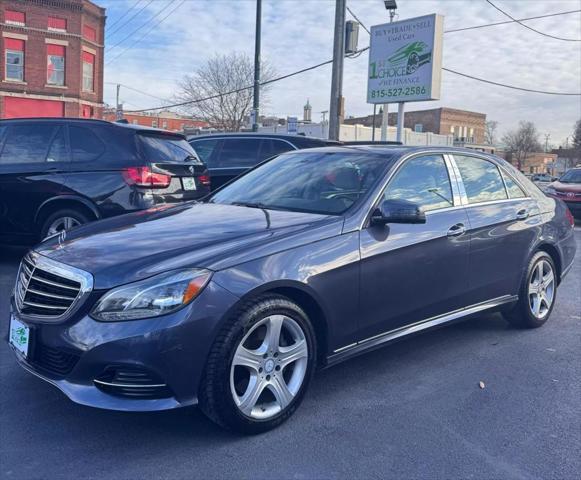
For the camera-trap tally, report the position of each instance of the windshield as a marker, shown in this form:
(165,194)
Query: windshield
(572,176)
(314,182)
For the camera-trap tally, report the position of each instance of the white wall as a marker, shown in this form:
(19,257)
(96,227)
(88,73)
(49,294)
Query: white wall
(362,133)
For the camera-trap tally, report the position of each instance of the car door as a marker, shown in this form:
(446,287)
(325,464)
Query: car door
(33,163)
(503,224)
(413,272)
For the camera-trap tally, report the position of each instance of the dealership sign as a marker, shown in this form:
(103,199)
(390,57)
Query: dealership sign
(405,60)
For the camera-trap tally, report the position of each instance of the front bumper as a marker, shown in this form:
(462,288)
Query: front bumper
(172,349)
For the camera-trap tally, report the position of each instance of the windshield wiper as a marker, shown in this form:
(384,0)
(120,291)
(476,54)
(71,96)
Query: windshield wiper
(262,206)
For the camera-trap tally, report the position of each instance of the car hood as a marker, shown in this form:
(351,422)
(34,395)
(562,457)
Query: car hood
(567,187)
(130,247)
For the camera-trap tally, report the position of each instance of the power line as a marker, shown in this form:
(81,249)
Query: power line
(511,21)
(146,33)
(137,91)
(142,25)
(125,14)
(109,34)
(531,28)
(360,22)
(509,86)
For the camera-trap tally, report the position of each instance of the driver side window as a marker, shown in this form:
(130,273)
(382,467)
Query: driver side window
(423,180)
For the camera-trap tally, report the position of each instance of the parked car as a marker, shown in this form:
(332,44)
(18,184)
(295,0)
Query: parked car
(229,155)
(542,178)
(309,259)
(56,174)
(568,189)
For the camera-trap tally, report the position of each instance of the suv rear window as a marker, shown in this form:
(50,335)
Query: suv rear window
(27,143)
(162,149)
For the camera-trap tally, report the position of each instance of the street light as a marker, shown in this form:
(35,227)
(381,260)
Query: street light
(390,5)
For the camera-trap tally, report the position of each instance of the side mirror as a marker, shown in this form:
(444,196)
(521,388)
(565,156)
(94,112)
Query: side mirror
(397,211)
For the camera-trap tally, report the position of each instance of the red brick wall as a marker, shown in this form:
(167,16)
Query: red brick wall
(172,124)
(77,13)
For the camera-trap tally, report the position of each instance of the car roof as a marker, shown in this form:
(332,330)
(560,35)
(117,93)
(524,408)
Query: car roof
(282,136)
(131,126)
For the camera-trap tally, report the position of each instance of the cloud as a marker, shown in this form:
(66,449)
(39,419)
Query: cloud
(299,33)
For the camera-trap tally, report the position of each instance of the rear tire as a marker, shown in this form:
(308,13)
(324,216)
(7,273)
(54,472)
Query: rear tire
(537,293)
(251,384)
(62,220)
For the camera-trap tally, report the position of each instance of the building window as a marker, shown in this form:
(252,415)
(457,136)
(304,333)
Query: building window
(56,24)
(418,127)
(88,71)
(89,33)
(154,123)
(87,111)
(164,124)
(12,17)
(134,122)
(14,59)
(55,69)
(453,130)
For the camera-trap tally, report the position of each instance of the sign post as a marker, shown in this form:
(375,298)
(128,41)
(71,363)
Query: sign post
(405,62)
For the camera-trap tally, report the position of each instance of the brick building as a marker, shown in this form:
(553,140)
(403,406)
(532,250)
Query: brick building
(165,120)
(466,127)
(534,162)
(51,58)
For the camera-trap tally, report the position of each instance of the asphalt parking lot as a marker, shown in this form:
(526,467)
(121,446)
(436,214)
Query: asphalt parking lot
(411,410)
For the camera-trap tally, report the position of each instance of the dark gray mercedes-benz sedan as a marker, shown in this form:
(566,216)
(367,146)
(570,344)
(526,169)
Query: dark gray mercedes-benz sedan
(308,259)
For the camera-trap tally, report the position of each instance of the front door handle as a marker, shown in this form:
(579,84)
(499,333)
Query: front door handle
(522,214)
(456,230)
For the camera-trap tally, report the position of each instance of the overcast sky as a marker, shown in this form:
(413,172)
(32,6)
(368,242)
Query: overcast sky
(299,33)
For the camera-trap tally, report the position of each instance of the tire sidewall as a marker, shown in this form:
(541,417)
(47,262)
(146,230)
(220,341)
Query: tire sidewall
(266,306)
(531,319)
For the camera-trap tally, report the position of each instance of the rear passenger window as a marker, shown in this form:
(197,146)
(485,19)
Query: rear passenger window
(514,191)
(482,180)
(27,143)
(58,149)
(239,152)
(424,181)
(85,145)
(206,150)
(272,147)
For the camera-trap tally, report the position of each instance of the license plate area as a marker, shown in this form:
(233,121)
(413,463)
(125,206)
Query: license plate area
(189,183)
(19,336)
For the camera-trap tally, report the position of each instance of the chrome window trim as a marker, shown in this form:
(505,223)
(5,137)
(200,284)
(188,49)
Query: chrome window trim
(396,167)
(85,280)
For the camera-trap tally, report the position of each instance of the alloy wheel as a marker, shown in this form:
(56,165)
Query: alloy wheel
(541,289)
(61,224)
(269,367)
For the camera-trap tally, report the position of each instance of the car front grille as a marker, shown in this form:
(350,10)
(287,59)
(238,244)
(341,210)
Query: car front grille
(48,289)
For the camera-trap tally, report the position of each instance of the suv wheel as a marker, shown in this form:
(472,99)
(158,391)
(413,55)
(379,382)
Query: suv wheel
(537,293)
(259,367)
(60,221)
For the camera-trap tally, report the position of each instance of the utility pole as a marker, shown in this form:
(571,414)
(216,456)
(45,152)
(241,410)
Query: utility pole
(256,102)
(118,109)
(547,136)
(391,6)
(337,75)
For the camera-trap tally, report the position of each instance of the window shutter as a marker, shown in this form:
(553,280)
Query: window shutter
(14,44)
(12,16)
(57,23)
(55,50)
(89,33)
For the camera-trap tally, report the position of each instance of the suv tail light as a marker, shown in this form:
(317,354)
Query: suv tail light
(144,177)
(205,180)
(570,217)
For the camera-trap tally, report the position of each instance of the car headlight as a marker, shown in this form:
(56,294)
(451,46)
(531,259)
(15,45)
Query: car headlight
(152,297)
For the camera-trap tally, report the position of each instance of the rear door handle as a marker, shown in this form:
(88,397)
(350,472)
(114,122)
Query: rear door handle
(456,230)
(522,214)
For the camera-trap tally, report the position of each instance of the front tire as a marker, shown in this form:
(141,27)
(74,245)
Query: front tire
(259,366)
(537,293)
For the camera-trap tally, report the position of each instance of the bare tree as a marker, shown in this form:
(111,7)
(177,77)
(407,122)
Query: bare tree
(490,132)
(577,137)
(218,76)
(522,141)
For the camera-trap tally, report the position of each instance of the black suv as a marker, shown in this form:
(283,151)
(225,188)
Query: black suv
(59,173)
(231,154)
